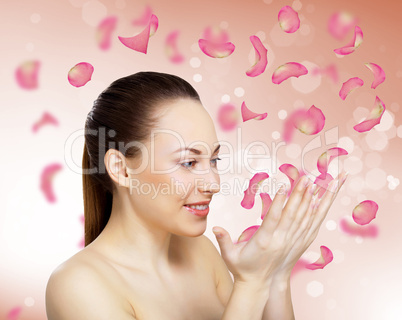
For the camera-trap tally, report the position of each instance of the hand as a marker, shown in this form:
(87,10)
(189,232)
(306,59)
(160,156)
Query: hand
(285,233)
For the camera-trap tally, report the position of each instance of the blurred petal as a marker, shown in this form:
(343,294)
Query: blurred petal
(325,159)
(288,19)
(46,119)
(353,45)
(27,74)
(326,257)
(247,114)
(287,70)
(349,86)
(247,233)
(261,58)
(171,47)
(14,313)
(46,181)
(266,203)
(353,229)
(332,72)
(379,74)
(216,35)
(322,182)
(104,32)
(374,117)
(80,74)
(365,212)
(144,19)
(299,266)
(140,41)
(216,50)
(227,117)
(340,24)
(249,193)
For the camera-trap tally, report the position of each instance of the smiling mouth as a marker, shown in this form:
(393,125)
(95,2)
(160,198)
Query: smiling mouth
(200,210)
(198,206)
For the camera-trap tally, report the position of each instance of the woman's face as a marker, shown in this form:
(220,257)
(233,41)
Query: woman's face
(181,170)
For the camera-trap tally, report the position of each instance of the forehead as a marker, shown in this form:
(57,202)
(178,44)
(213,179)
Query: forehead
(184,123)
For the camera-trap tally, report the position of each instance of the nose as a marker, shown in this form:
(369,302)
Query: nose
(208,182)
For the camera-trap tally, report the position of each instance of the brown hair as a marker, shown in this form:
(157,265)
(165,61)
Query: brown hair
(124,112)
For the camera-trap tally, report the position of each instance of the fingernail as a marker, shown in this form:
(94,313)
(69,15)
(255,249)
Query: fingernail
(217,233)
(312,188)
(345,176)
(334,185)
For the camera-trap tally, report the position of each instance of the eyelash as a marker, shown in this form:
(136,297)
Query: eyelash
(194,161)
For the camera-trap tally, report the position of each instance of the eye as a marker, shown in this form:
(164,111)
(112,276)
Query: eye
(215,161)
(188,164)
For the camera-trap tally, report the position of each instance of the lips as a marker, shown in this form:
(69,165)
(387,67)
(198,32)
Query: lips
(198,208)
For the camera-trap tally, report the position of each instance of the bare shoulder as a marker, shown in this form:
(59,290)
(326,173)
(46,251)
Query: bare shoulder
(78,290)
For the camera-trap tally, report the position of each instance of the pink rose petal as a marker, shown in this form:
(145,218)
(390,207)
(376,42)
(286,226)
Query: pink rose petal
(322,182)
(249,193)
(366,231)
(374,117)
(247,114)
(46,119)
(14,313)
(309,122)
(80,74)
(349,86)
(379,74)
(288,19)
(299,266)
(46,181)
(216,35)
(287,70)
(144,19)
(247,234)
(104,32)
(326,257)
(340,24)
(266,203)
(365,212)
(216,50)
(353,45)
(227,117)
(140,41)
(171,47)
(261,59)
(292,173)
(27,74)
(325,159)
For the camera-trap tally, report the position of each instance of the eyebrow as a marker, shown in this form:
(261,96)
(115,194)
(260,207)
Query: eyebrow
(196,151)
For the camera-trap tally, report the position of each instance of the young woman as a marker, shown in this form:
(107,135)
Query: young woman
(150,173)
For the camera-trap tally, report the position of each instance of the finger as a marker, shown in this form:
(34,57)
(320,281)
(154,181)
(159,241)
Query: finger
(224,241)
(291,207)
(273,215)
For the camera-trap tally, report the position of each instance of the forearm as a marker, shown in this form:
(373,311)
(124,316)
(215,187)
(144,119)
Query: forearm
(247,301)
(279,305)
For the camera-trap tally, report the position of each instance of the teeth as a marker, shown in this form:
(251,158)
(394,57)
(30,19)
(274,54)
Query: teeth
(198,207)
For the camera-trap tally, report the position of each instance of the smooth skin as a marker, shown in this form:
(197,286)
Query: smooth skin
(152,260)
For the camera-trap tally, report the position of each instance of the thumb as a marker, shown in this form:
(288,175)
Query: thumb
(224,240)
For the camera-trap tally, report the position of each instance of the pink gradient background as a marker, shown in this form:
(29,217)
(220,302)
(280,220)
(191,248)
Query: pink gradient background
(363,282)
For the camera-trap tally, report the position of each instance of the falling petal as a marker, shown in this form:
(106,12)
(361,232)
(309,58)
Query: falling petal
(322,182)
(379,74)
(340,24)
(249,193)
(247,234)
(332,72)
(27,74)
(353,45)
(266,203)
(104,32)
(247,114)
(14,313)
(326,257)
(292,173)
(349,227)
(374,117)
(287,70)
(140,41)
(288,19)
(144,19)
(349,86)
(261,59)
(46,181)
(216,50)
(171,47)
(216,35)
(299,266)
(46,119)
(80,74)
(227,117)
(325,159)
(365,212)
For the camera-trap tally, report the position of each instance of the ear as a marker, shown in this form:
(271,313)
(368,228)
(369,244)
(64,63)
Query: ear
(116,167)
